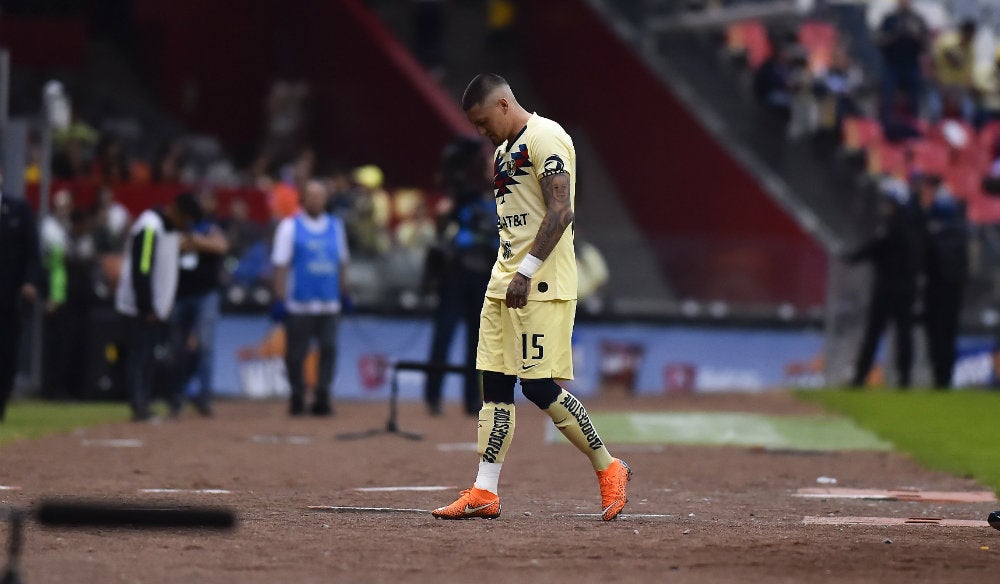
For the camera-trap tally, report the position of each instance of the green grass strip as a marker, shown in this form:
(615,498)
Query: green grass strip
(805,433)
(32,419)
(956,432)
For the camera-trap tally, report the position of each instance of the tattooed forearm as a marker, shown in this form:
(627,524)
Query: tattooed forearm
(558,214)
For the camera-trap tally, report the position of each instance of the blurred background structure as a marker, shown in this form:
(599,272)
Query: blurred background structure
(731,153)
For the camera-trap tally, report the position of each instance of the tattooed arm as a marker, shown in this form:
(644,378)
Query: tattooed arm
(558,216)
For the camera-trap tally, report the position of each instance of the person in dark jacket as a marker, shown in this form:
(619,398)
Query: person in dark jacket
(20,274)
(945,269)
(459,267)
(895,253)
(146,291)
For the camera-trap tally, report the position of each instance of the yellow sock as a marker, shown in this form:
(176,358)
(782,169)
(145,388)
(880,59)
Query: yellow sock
(496,431)
(573,421)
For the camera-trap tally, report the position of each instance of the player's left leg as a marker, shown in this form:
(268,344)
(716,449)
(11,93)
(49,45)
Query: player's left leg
(546,330)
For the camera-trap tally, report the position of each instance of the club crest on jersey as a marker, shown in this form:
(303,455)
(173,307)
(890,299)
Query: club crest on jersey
(505,172)
(553,165)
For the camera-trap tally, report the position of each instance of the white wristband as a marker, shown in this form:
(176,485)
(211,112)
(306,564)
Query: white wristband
(529,265)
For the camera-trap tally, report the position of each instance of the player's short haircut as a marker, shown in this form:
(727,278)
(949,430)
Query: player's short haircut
(479,88)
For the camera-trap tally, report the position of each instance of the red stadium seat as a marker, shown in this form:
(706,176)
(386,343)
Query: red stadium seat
(749,37)
(859,133)
(820,40)
(965,183)
(929,157)
(885,158)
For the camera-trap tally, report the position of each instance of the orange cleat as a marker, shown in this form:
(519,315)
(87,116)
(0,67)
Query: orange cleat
(473,503)
(613,480)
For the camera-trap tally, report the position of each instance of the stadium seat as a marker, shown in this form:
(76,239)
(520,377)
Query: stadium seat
(820,40)
(750,38)
(984,209)
(885,158)
(859,133)
(965,183)
(929,157)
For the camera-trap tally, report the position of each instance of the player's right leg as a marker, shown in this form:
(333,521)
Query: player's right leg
(496,423)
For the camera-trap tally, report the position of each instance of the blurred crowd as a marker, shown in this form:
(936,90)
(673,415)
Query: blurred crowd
(923,126)
(932,106)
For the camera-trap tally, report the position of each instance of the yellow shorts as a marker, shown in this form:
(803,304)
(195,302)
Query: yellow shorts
(534,342)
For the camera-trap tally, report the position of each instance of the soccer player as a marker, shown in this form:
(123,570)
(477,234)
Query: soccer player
(526,323)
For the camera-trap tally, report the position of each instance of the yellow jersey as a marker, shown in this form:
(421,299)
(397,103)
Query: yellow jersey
(541,148)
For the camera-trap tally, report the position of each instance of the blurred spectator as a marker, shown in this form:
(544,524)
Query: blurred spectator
(55,236)
(895,253)
(73,149)
(110,222)
(781,84)
(945,269)
(287,121)
(282,198)
(414,228)
(903,38)
(343,197)
(168,165)
(592,273)
(836,91)
(773,82)
(953,93)
(196,309)
(111,166)
(500,42)
(371,213)
(241,232)
(20,274)
(458,268)
(988,87)
(72,160)
(146,291)
(67,322)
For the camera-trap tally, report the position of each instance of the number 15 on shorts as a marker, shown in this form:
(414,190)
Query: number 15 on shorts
(536,349)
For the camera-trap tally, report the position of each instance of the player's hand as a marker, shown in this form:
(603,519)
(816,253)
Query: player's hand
(517,291)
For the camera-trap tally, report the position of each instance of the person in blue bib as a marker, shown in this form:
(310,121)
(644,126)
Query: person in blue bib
(310,257)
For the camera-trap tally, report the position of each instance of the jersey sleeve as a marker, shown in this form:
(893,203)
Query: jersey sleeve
(552,153)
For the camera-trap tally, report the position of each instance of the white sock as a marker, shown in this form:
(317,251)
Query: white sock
(489,476)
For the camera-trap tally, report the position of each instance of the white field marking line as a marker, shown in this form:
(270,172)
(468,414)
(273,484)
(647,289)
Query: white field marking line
(297,440)
(622,516)
(458,447)
(337,509)
(9,488)
(897,495)
(404,488)
(892,521)
(193,491)
(113,442)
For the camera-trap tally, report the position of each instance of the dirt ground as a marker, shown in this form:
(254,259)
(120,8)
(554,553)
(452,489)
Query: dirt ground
(730,513)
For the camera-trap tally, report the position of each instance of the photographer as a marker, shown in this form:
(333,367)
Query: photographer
(458,267)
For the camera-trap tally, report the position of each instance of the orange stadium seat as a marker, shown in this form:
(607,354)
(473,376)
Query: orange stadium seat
(749,37)
(820,40)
